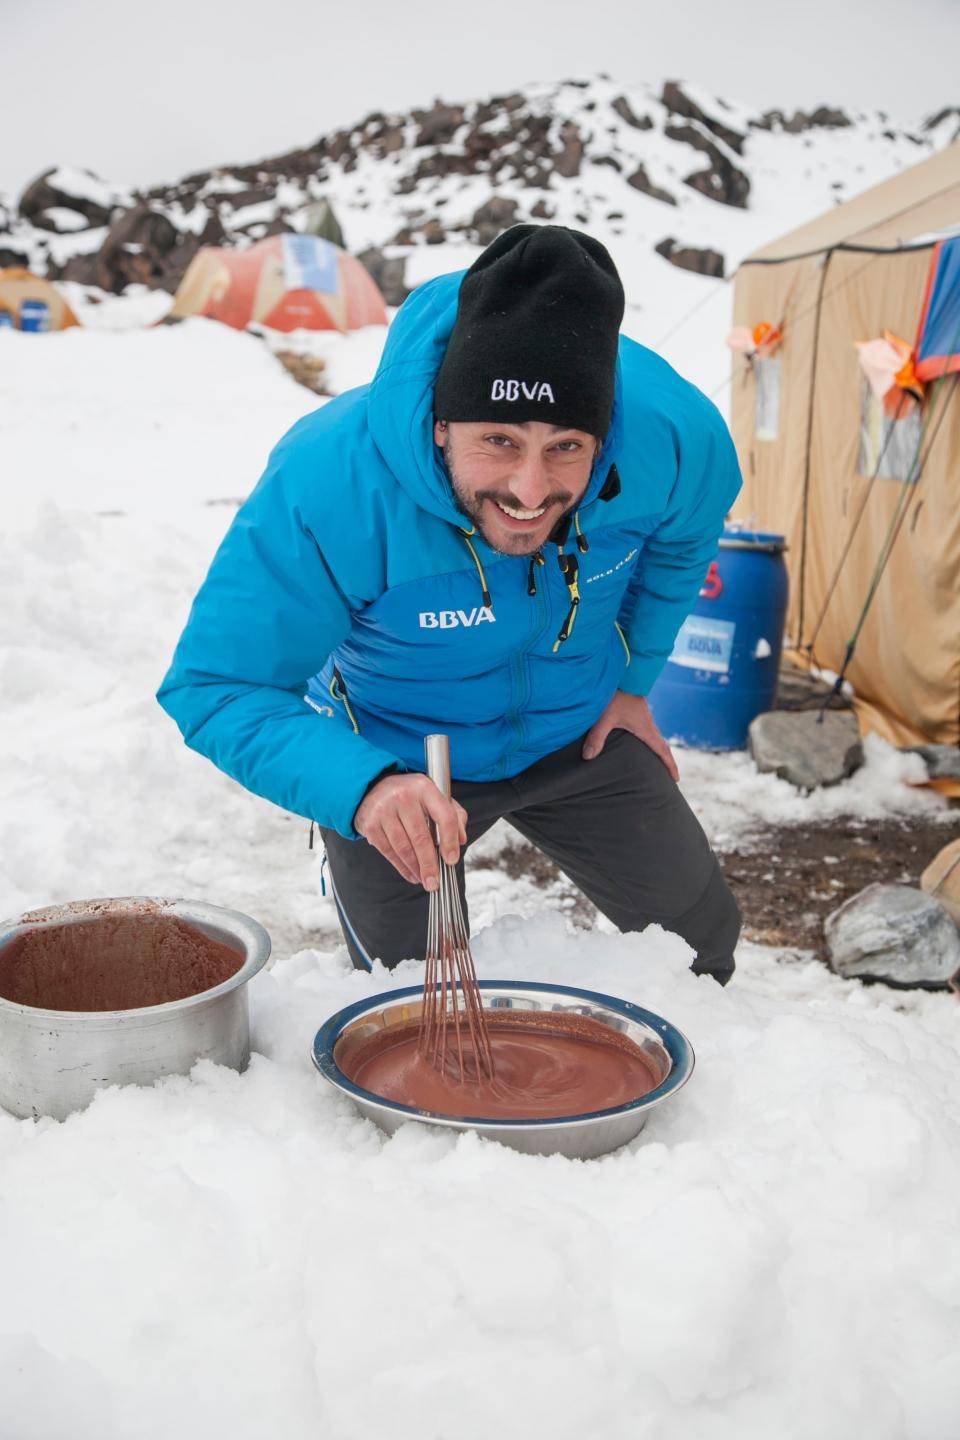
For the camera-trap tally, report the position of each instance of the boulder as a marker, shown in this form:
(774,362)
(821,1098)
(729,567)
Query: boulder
(823,118)
(626,112)
(675,99)
(721,180)
(48,193)
(809,748)
(896,934)
(492,218)
(941,879)
(144,247)
(942,761)
(438,125)
(640,180)
(388,271)
(568,159)
(688,257)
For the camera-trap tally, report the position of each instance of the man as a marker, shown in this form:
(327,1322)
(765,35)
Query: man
(497,539)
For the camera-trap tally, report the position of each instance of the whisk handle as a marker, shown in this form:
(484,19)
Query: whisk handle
(436,751)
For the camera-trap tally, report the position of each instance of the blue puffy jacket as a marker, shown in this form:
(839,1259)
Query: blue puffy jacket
(351,609)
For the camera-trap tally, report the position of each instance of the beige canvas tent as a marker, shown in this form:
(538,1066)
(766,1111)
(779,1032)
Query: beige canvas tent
(845,476)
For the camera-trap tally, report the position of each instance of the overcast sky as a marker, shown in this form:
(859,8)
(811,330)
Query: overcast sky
(141,93)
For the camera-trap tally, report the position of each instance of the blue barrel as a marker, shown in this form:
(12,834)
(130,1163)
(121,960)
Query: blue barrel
(34,316)
(726,660)
(6,320)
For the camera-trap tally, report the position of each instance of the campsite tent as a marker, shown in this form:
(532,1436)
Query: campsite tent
(287,282)
(851,475)
(17,285)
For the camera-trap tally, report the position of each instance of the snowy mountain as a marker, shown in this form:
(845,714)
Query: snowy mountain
(675,171)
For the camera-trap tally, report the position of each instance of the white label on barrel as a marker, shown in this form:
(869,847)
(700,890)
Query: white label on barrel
(704,644)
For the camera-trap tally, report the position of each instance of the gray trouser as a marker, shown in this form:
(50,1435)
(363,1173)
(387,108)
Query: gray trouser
(617,825)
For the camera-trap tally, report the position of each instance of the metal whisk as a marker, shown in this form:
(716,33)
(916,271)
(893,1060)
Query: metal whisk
(453,1027)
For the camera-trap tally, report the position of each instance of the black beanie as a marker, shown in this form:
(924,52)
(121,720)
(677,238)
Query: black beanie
(536,333)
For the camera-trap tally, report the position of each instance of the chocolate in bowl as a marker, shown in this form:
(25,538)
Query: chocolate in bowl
(344,1043)
(546,1065)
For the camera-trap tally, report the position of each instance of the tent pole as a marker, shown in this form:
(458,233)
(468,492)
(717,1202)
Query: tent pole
(806,461)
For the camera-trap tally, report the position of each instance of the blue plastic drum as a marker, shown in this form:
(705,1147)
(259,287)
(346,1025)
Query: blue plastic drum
(35,316)
(726,659)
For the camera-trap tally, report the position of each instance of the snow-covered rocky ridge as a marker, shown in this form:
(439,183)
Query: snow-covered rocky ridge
(673,169)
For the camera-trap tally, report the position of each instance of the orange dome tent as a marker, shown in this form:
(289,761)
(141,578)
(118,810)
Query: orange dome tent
(17,285)
(286,282)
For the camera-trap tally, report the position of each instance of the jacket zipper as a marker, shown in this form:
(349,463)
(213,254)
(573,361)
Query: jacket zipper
(520,671)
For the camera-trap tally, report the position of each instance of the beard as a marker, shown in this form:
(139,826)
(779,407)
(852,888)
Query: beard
(471,505)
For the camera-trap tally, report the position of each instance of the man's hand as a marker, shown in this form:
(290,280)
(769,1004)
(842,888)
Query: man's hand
(629,712)
(394,817)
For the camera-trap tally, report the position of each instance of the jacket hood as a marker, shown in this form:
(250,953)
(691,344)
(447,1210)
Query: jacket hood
(400,400)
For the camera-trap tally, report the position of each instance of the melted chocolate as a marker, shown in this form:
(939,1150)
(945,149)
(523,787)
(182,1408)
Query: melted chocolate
(113,961)
(547,1064)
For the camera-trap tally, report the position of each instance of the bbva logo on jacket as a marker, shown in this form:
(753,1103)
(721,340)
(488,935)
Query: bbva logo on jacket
(447,619)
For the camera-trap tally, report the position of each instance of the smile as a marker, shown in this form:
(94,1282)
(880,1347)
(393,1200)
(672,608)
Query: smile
(515,512)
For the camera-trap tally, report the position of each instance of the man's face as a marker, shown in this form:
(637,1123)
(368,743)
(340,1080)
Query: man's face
(515,481)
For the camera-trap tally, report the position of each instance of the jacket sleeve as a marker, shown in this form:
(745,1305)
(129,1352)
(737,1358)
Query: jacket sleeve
(265,620)
(675,557)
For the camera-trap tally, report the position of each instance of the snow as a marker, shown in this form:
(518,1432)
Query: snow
(349,360)
(225,1254)
(63,219)
(244,1255)
(62,248)
(84,185)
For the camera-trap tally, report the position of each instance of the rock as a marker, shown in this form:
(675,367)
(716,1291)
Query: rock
(146,248)
(798,689)
(824,118)
(806,749)
(942,761)
(388,271)
(307,370)
(439,125)
(568,159)
(542,211)
(721,180)
(491,108)
(10,257)
(893,933)
(677,102)
(45,194)
(952,113)
(687,257)
(941,879)
(626,112)
(640,180)
(497,215)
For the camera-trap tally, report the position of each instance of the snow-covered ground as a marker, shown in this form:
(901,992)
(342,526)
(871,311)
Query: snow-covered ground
(242,1254)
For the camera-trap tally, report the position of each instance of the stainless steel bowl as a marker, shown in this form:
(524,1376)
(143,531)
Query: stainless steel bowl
(582,1137)
(52,1062)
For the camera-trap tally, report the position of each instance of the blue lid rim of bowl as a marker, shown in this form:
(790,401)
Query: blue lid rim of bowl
(677,1045)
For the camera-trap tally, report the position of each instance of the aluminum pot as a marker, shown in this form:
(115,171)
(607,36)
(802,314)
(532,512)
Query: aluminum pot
(52,1062)
(666,1050)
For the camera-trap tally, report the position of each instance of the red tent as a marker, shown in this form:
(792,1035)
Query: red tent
(287,282)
